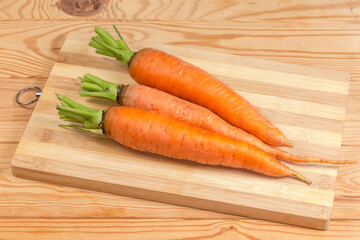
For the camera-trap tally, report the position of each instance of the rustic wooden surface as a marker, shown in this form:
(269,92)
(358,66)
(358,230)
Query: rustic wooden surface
(286,94)
(315,33)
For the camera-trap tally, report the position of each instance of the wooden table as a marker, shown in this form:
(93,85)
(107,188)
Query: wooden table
(316,33)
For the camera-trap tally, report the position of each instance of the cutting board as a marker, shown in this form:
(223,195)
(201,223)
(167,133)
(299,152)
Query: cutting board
(306,103)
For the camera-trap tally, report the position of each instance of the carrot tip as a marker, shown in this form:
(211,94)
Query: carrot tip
(282,141)
(300,177)
(287,143)
(350,162)
(337,162)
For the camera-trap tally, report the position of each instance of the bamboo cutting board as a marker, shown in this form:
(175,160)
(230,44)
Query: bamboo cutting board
(307,104)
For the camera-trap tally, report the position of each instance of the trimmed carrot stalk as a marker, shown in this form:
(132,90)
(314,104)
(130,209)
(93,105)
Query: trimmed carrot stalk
(170,74)
(144,97)
(149,131)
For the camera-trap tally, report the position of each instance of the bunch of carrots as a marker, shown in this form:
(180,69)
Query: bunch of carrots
(180,111)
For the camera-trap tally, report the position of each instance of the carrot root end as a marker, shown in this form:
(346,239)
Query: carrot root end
(300,177)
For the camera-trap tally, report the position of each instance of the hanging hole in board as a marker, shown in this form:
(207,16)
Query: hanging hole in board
(28,89)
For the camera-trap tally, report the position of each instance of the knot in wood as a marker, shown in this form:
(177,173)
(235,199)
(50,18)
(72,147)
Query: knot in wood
(82,7)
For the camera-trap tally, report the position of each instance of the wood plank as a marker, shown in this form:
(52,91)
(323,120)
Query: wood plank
(33,158)
(7,151)
(304,44)
(14,118)
(191,10)
(41,41)
(347,202)
(202,175)
(191,200)
(68,201)
(32,228)
(36,197)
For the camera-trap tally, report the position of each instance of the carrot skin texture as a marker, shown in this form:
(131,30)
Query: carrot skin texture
(140,96)
(168,73)
(149,131)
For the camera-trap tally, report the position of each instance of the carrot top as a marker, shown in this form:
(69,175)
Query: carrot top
(92,86)
(106,45)
(71,111)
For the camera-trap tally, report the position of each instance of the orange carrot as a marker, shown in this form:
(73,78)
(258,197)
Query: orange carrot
(149,131)
(140,96)
(170,74)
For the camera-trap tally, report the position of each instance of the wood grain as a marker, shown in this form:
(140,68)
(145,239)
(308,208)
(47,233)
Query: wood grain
(44,40)
(35,44)
(186,10)
(29,49)
(130,171)
(168,229)
(36,197)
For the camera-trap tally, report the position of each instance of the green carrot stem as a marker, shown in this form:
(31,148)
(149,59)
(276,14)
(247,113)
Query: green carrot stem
(93,79)
(108,54)
(120,44)
(75,112)
(97,45)
(96,131)
(121,56)
(102,49)
(68,119)
(106,45)
(121,38)
(91,87)
(73,104)
(96,94)
(102,88)
(106,36)
(71,115)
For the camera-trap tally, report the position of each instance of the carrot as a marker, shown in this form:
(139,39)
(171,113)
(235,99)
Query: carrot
(170,74)
(140,96)
(149,131)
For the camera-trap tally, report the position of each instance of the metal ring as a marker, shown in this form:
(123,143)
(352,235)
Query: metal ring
(37,95)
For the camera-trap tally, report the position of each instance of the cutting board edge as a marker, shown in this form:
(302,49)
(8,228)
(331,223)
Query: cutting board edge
(169,198)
